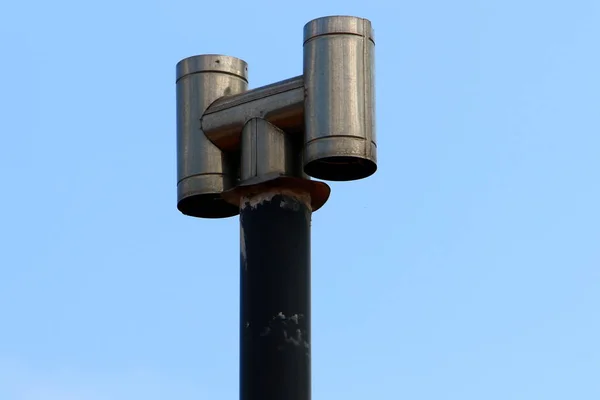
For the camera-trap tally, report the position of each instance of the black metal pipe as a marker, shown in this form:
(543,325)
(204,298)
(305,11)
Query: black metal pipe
(275,297)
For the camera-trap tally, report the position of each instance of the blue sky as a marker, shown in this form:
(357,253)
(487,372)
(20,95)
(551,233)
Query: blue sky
(466,268)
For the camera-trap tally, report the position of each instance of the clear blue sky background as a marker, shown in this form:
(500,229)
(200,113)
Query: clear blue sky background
(466,268)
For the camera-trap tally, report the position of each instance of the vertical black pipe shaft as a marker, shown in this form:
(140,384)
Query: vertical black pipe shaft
(275,298)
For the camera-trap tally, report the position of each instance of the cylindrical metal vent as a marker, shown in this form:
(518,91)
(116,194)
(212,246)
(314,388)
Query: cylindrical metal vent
(339,113)
(203,170)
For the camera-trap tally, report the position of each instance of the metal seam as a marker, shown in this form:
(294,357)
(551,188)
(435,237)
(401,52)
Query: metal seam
(204,71)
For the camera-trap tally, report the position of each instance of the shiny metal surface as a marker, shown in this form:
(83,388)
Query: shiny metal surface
(280,103)
(339,115)
(212,63)
(267,152)
(203,170)
(270,158)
